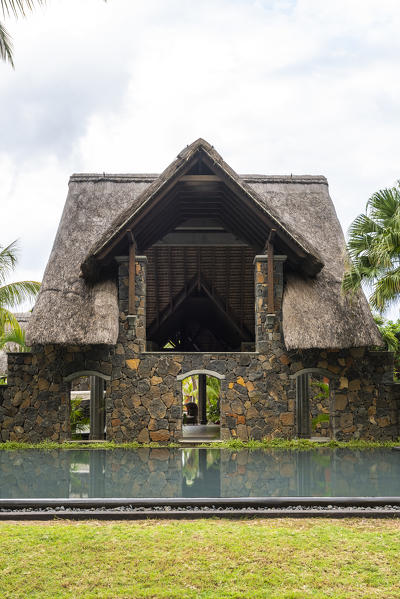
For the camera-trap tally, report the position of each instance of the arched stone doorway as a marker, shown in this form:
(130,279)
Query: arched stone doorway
(201,401)
(88,386)
(314,407)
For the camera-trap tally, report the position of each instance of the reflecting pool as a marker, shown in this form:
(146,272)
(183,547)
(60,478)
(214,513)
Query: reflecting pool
(192,472)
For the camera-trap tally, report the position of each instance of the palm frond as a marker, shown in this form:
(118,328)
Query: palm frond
(383,205)
(6,46)
(7,320)
(14,294)
(351,280)
(389,331)
(374,249)
(386,290)
(15,336)
(8,260)
(18,7)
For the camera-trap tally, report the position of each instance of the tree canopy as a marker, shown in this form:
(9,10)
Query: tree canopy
(12,295)
(12,8)
(374,250)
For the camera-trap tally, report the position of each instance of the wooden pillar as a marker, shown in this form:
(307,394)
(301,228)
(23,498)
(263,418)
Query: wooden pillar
(270,278)
(97,408)
(132,276)
(269,249)
(303,406)
(203,398)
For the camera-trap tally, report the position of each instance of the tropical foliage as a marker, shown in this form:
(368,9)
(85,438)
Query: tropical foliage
(374,250)
(213,393)
(190,392)
(78,418)
(12,8)
(12,295)
(390,332)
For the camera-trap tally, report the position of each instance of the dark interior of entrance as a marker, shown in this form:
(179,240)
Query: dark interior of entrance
(200,298)
(200,273)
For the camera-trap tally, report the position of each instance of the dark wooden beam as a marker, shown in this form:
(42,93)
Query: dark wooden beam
(200,179)
(270,273)
(132,276)
(198,269)
(244,334)
(309,263)
(170,280)
(157,284)
(202,398)
(176,302)
(242,271)
(227,278)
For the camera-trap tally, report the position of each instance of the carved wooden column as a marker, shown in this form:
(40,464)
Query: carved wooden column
(303,428)
(97,408)
(203,399)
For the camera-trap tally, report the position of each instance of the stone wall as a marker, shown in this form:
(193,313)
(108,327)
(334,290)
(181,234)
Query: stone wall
(36,404)
(258,393)
(144,396)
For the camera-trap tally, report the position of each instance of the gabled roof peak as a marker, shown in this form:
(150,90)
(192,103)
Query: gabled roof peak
(198,144)
(200,158)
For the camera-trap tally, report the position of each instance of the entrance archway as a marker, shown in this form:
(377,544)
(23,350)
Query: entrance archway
(87,404)
(314,403)
(201,394)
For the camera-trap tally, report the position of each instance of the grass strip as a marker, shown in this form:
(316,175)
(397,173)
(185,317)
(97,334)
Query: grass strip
(277,443)
(217,559)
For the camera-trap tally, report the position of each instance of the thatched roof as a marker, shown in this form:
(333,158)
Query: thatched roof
(99,207)
(68,310)
(200,150)
(315,312)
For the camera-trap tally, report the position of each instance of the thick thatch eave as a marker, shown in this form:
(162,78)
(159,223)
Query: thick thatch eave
(316,314)
(68,309)
(310,261)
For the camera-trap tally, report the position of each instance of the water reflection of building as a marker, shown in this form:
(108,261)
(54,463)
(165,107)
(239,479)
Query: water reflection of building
(201,473)
(163,472)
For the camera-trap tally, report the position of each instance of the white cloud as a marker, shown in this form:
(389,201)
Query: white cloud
(278,86)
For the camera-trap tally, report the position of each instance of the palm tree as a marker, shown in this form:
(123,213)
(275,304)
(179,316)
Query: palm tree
(374,250)
(12,295)
(16,8)
(14,338)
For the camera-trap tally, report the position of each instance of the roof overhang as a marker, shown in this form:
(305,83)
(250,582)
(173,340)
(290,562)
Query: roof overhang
(180,180)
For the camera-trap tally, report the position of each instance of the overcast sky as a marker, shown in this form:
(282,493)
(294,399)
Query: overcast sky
(277,86)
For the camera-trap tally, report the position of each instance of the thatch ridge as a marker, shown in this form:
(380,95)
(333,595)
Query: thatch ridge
(150,177)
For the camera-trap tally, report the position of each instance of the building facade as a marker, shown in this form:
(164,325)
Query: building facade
(200,272)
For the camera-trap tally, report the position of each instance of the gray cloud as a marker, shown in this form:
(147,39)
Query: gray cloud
(278,86)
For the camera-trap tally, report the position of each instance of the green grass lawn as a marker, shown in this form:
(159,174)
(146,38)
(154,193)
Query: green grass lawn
(203,559)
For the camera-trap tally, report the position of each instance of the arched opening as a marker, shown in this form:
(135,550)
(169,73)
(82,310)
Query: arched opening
(79,413)
(201,393)
(87,408)
(314,403)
